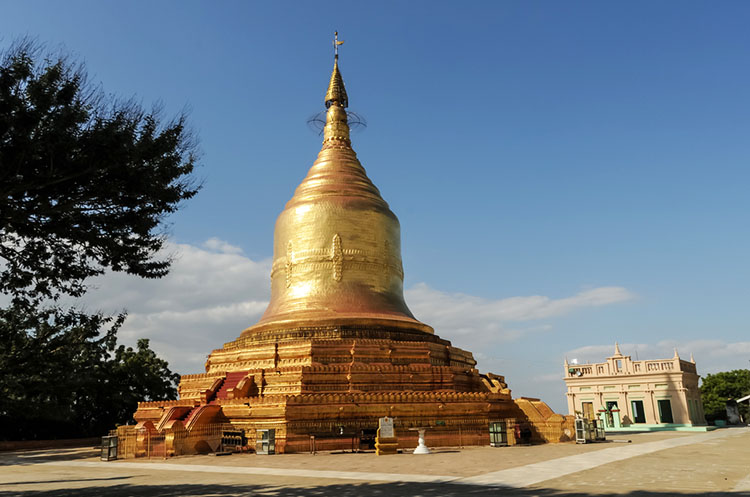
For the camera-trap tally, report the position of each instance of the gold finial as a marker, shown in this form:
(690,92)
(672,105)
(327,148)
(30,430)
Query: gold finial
(336,92)
(336,44)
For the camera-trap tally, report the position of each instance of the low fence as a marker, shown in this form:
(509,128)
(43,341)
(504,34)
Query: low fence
(136,442)
(358,438)
(147,442)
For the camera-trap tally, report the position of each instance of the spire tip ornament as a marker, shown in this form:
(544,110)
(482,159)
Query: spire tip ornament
(336,44)
(336,93)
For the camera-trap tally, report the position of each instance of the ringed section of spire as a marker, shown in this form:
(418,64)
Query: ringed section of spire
(337,244)
(336,90)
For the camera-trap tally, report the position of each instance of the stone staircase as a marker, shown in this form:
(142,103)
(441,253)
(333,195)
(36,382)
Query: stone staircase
(230,381)
(187,417)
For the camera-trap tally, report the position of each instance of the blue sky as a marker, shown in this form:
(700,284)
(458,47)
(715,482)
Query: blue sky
(594,154)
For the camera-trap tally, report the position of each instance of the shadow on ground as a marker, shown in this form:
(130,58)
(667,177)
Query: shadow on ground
(343,490)
(37,456)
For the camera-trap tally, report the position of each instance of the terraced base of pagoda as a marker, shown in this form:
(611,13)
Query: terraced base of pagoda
(343,380)
(339,421)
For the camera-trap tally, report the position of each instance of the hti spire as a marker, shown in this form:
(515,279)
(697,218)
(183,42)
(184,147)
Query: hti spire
(336,130)
(336,93)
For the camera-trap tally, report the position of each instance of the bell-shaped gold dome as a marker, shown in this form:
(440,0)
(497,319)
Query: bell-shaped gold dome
(337,245)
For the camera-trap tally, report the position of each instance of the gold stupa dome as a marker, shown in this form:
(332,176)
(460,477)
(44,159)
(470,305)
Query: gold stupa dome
(337,245)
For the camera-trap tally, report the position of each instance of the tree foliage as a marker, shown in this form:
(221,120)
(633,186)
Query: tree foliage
(64,375)
(717,388)
(86,182)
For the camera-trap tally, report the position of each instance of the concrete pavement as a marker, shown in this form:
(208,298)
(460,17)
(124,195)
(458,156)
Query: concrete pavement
(714,463)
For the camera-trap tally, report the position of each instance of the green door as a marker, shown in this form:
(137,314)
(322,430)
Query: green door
(639,415)
(665,411)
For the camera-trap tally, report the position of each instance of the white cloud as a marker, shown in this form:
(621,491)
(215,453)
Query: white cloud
(486,327)
(218,245)
(459,314)
(212,293)
(199,279)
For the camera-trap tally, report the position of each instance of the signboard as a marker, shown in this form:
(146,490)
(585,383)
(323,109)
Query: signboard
(386,442)
(386,427)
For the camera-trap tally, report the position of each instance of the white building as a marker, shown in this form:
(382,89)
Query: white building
(628,394)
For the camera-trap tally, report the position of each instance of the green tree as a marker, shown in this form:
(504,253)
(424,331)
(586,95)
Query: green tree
(717,388)
(65,376)
(86,183)
(86,180)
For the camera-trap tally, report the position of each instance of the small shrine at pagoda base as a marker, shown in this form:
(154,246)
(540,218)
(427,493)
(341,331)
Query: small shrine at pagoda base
(337,348)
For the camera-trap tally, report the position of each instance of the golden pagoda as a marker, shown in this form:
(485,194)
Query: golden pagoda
(338,348)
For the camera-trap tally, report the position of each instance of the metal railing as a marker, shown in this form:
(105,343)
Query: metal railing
(134,442)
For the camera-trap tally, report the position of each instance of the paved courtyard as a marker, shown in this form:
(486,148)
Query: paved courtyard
(654,464)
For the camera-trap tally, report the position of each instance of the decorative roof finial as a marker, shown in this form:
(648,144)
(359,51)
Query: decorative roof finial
(336,92)
(692,359)
(617,349)
(336,44)
(676,355)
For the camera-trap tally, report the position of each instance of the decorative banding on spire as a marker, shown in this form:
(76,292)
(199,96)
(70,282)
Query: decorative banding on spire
(336,91)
